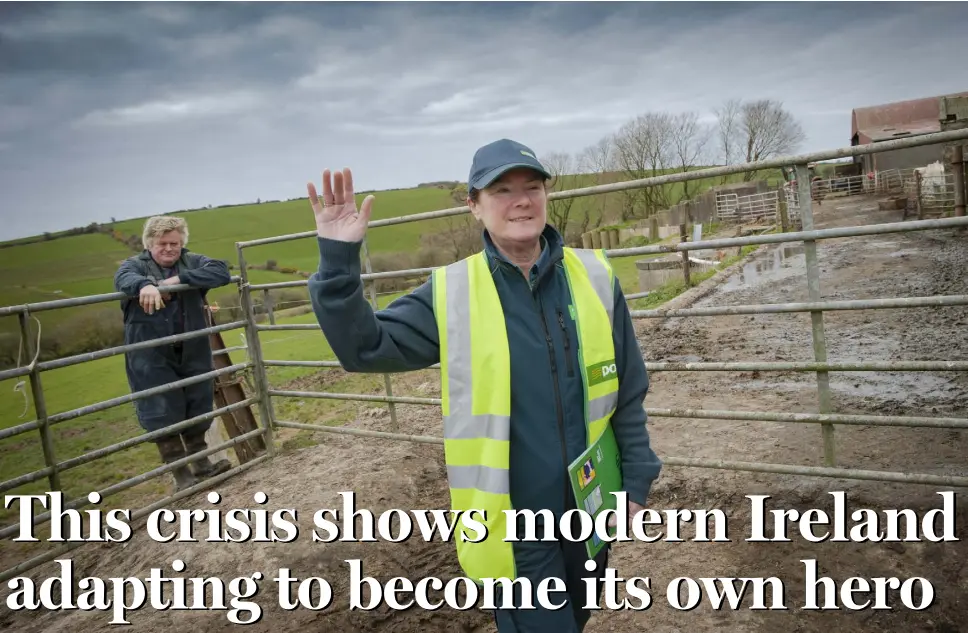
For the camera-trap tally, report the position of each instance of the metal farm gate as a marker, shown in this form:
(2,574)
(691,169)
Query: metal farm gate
(264,393)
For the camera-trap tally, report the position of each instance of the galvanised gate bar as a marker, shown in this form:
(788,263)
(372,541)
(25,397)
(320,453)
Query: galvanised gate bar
(264,393)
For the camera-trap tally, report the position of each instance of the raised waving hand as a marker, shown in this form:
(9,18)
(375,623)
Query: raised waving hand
(336,215)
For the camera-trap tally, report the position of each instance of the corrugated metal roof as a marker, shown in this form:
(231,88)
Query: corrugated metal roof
(904,118)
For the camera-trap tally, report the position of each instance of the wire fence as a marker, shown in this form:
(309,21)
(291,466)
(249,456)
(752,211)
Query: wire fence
(263,393)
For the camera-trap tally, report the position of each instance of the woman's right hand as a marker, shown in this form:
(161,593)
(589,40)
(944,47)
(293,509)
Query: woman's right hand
(336,214)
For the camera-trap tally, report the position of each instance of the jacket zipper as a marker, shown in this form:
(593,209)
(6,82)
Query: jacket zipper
(558,409)
(564,331)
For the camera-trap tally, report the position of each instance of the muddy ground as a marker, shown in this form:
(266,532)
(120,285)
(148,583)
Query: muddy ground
(387,474)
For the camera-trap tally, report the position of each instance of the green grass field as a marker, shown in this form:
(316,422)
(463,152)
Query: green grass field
(67,267)
(212,234)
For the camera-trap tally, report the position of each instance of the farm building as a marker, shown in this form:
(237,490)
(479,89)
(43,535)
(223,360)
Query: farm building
(890,121)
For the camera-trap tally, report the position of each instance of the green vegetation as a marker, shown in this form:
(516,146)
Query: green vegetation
(215,231)
(68,267)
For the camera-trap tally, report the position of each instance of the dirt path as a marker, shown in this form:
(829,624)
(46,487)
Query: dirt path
(895,265)
(407,475)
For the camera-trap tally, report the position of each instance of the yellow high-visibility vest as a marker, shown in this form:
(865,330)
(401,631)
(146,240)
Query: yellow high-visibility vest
(476,390)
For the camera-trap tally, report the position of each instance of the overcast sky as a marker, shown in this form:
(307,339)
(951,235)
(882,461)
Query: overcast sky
(122,110)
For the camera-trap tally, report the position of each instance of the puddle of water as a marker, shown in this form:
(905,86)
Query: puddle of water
(758,271)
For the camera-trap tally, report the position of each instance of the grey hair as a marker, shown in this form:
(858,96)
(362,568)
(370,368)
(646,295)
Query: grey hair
(159,225)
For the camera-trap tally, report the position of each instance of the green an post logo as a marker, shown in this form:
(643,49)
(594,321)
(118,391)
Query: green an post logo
(602,372)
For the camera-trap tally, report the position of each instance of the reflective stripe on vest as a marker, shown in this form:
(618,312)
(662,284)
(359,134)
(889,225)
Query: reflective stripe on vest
(596,349)
(475,374)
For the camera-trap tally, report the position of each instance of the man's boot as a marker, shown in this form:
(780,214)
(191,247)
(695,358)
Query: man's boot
(203,467)
(171,450)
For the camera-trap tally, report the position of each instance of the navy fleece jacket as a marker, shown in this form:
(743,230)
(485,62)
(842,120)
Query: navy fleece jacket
(547,411)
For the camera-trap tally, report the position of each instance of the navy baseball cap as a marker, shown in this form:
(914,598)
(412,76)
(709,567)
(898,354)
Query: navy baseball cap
(494,159)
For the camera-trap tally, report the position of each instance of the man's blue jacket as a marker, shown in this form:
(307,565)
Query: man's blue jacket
(547,409)
(155,366)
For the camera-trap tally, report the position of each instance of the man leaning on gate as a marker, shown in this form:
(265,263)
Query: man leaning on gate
(151,313)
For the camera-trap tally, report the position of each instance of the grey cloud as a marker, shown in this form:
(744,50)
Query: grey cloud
(160,112)
(92,55)
(200,103)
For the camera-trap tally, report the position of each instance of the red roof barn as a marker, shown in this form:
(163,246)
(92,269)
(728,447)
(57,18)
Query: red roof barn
(897,120)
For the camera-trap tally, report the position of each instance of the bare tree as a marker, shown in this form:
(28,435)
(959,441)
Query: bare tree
(653,144)
(688,139)
(642,151)
(597,159)
(563,171)
(460,238)
(768,130)
(727,117)
(757,130)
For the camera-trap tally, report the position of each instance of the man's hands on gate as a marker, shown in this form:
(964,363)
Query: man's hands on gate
(170,281)
(151,299)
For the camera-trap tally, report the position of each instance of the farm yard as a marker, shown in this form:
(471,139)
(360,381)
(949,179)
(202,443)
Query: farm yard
(791,243)
(314,468)
(310,467)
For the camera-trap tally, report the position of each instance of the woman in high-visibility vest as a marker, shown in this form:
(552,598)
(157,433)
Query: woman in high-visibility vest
(538,359)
